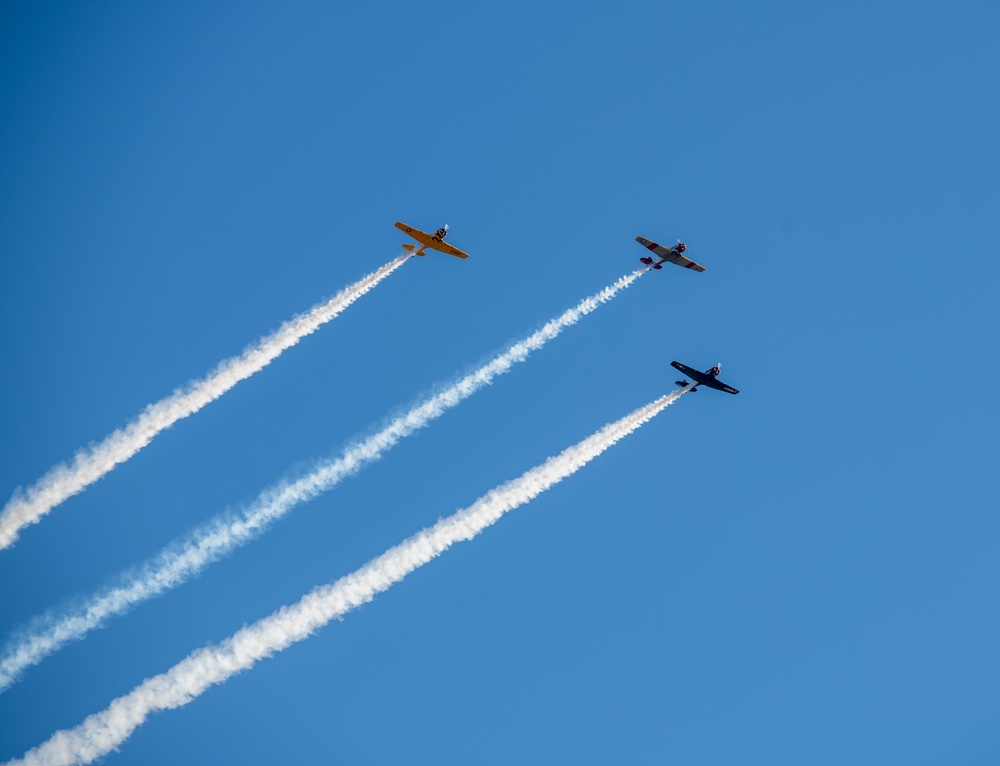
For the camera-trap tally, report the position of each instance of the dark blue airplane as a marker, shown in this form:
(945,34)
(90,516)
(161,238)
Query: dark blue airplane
(708,378)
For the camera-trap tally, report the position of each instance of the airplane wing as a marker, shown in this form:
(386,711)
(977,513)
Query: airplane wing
(422,237)
(680,260)
(718,385)
(689,371)
(659,250)
(446,248)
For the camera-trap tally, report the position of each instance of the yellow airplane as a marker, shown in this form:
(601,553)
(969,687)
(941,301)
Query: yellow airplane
(434,241)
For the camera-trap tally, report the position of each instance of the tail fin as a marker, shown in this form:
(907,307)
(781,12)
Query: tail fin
(410,249)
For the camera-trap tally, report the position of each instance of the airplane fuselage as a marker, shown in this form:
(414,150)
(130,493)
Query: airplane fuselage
(437,236)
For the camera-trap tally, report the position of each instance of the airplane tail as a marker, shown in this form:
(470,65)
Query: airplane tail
(410,249)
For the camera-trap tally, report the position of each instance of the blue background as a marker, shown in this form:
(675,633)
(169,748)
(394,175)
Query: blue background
(804,573)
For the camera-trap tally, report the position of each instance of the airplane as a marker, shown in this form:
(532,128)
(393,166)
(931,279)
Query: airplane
(672,254)
(434,241)
(708,378)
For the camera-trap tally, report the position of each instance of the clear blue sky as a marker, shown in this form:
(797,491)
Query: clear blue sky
(805,573)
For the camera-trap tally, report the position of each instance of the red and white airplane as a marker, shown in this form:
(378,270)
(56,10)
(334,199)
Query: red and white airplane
(665,254)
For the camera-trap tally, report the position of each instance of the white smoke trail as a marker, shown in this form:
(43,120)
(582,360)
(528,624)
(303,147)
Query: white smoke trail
(90,464)
(102,732)
(183,560)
